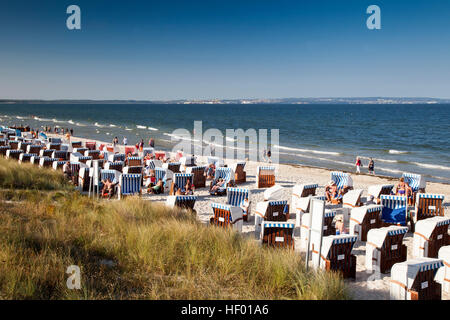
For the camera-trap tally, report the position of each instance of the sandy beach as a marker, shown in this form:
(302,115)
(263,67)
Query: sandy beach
(364,287)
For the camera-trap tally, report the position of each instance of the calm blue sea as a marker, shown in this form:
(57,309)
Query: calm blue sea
(411,138)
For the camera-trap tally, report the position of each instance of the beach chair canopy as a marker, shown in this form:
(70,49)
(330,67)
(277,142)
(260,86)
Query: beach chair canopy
(235,196)
(415,181)
(342,179)
(225,173)
(274,193)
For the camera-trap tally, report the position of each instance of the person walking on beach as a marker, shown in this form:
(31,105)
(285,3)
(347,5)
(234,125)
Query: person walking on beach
(269,154)
(125,141)
(115,141)
(358,165)
(371,167)
(151,143)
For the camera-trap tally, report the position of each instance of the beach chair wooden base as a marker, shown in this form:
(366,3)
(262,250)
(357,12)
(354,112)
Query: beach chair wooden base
(199,180)
(346,268)
(432,292)
(439,238)
(372,220)
(222,218)
(266,181)
(278,238)
(391,258)
(240,177)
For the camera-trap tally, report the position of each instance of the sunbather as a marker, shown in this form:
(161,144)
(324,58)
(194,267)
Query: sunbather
(108,188)
(218,186)
(67,170)
(158,188)
(403,188)
(210,171)
(331,191)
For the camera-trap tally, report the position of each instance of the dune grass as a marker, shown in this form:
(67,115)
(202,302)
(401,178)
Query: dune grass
(133,249)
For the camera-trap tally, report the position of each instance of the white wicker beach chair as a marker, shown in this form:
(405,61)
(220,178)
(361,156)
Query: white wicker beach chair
(363,219)
(430,235)
(181,201)
(278,234)
(273,193)
(225,215)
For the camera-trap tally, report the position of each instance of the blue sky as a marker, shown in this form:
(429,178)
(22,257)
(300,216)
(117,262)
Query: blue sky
(224,49)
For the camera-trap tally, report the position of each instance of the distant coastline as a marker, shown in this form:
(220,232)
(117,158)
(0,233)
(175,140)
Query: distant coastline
(367,100)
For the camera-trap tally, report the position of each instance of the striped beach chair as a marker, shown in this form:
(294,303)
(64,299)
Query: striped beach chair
(444,255)
(35,160)
(130,184)
(227,216)
(265,176)
(160,154)
(90,163)
(76,144)
(417,184)
(23,146)
(186,162)
(113,175)
(13,144)
(34,148)
(216,161)
(384,248)
(179,181)
(55,140)
(46,152)
(182,201)
(152,164)
(84,179)
(364,219)
(336,254)
(91,145)
(95,154)
(13,154)
(240,176)
(4,149)
(75,169)
(376,191)
(394,210)
(54,146)
(129,150)
(3,142)
(146,151)
(430,235)
(165,175)
(236,197)
(26,157)
(59,154)
(117,165)
(46,162)
(58,165)
(172,166)
(427,205)
(226,174)
(133,170)
(270,211)
(278,234)
(352,198)
(198,173)
(415,280)
(328,226)
(134,161)
(80,150)
(303,207)
(342,180)
(116,157)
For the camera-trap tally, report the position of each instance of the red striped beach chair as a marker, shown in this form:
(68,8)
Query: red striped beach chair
(444,255)
(240,176)
(182,201)
(226,216)
(198,176)
(278,234)
(384,248)
(415,280)
(265,176)
(364,219)
(427,205)
(430,235)
(336,254)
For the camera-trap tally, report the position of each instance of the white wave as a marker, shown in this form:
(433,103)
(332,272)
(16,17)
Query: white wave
(152,129)
(80,124)
(385,160)
(307,150)
(19,117)
(431,166)
(71,122)
(141,127)
(112,125)
(41,119)
(99,125)
(388,170)
(393,151)
(128,129)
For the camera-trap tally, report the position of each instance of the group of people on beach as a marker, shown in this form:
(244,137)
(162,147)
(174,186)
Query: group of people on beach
(370,166)
(139,145)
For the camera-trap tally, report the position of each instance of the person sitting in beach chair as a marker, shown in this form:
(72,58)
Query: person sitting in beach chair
(403,188)
(158,188)
(218,188)
(185,190)
(67,170)
(332,193)
(210,172)
(108,188)
(126,158)
(339,226)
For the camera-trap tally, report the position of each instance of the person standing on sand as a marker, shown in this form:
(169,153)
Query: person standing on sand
(358,165)
(151,143)
(125,141)
(269,154)
(71,131)
(371,167)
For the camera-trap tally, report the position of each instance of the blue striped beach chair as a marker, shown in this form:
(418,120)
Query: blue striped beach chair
(35,160)
(46,162)
(363,219)
(116,157)
(58,165)
(179,181)
(384,248)
(59,154)
(148,150)
(130,184)
(417,184)
(117,165)
(4,149)
(55,140)
(225,216)
(427,205)
(13,144)
(80,150)
(278,234)
(182,201)
(430,235)
(236,198)
(46,152)
(270,211)
(90,163)
(76,144)
(23,146)
(336,254)
(54,146)
(226,174)
(342,180)
(26,157)
(240,176)
(395,209)
(165,175)
(3,142)
(265,176)
(199,177)
(13,154)
(34,148)
(416,280)
(84,159)
(134,169)
(152,164)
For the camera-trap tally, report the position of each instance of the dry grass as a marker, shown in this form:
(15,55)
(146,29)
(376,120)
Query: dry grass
(134,249)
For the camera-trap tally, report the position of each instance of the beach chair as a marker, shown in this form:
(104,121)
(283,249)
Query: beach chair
(198,175)
(84,179)
(165,175)
(33,148)
(152,164)
(35,160)
(376,191)
(343,181)
(384,248)
(427,205)
(76,144)
(227,216)
(265,176)
(146,151)
(26,157)
(328,226)
(64,155)
(182,201)
(270,211)
(55,140)
(80,150)
(14,145)
(3,142)
(216,161)
(227,175)
(54,146)
(172,166)
(394,210)
(444,255)
(160,154)
(179,181)
(117,165)
(46,152)
(186,162)
(91,145)
(95,154)
(430,235)
(116,157)
(75,169)
(58,165)
(363,219)
(278,234)
(417,184)
(352,199)
(235,198)
(129,150)
(90,163)
(134,161)
(130,184)
(23,146)
(273,193)
(336,254)
(300,196)
(415,280)
(4,149)
(240,176)
(105,174)
(46,162)
(133,170)
(13,154)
